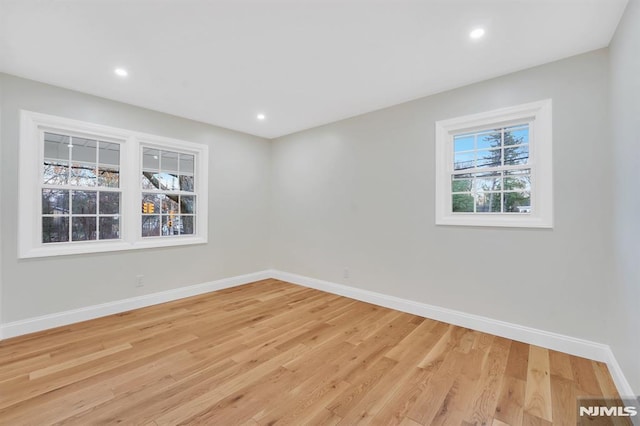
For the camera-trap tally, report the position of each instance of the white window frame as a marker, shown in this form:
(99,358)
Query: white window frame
(539,116)
(31,156)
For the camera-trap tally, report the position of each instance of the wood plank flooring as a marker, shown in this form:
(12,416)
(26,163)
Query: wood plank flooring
(270,353)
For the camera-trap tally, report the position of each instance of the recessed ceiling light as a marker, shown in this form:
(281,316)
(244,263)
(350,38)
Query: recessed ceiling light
(261,117)
(121,72)
(477,33)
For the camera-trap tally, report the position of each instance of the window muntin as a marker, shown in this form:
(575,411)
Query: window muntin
(80,195)
(490,173)
(168,193)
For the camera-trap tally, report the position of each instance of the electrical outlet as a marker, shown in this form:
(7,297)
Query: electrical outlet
(345,273)
(139,280)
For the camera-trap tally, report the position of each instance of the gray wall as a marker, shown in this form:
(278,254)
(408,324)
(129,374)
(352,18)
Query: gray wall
(238,208)
(625,117)
(359,193)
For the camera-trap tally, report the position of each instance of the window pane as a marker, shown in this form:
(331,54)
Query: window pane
(55,201)
(516,135)
(186,183)
(517,202)
(169,204)
(186,164)
(109,177)
(56,146)
(109,228)
(84,150)
(146,181)
(489,158)
(55,229)
(522,182)
(169,225)
(187,204)
(488,202)
(150,203)
(150,226)
(186,225)
(150,159)
(83,174)
(166,181)
(169,161)
(109,153)
(109,203)
(55,173)
(489,182)
(517,155)
(462,203)
(489,140)
(83,202)
(84,228)
(461,185)
(461,143)
(463,161)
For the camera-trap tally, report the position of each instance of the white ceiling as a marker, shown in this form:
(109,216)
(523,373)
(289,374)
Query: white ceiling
(301,62)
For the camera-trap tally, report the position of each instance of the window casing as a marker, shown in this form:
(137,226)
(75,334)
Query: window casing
(82,188)
(495,168)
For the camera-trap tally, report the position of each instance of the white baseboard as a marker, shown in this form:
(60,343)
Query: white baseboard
(550,340)
(31,325)
(559,342)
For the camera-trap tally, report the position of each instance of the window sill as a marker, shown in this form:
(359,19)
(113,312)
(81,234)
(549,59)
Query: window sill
(65,249)
(493,220)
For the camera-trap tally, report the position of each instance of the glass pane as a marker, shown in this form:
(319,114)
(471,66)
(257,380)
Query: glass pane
(488,202)
(489,158)
(83,228)
(462,203)
(55,201)
(186,164)
(83,202)
(461,185)
(109,228)
(169,204)
(55,229)
(109,203)
(169,161)
(56,146)
(150,159)
(55,173)
(83,174)
(461,143)
(516,135)
(517,155)
(109,153)
(186,223)
(186,183)
(489,140)
(187,204)
(151,226)
(463,161)
(489,183)
(84,150)
(146,181)
(109,177)
(166,181)
(150,203)
(517,202)
(522,182)
(170,225)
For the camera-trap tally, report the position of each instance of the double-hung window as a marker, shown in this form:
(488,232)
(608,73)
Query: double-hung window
(88,188)
(494,168)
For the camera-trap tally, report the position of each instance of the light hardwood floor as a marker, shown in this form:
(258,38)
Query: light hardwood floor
(275,353)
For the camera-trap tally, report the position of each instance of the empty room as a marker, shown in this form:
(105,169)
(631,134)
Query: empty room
(261,212)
